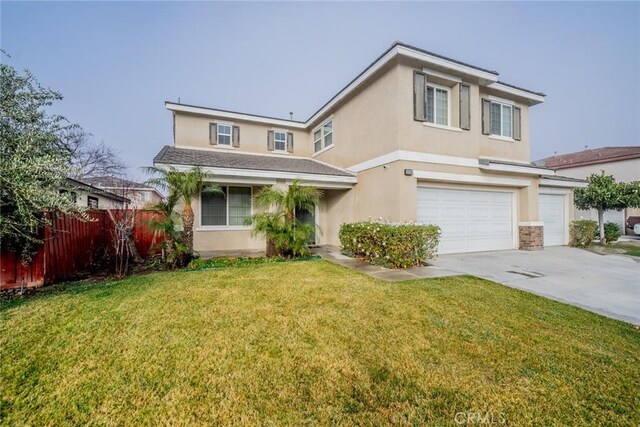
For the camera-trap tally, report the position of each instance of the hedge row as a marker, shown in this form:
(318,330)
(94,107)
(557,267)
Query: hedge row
(390,245)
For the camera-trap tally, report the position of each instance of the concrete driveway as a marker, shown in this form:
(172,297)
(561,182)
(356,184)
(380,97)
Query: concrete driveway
(605,284)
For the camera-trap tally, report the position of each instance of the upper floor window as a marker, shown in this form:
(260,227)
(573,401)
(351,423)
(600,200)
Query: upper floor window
(323,136)
(501,119)
(438,104)
(280,141)
(224,134)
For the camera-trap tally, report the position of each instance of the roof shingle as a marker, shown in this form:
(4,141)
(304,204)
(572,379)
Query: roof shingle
(592,156)
(231,160)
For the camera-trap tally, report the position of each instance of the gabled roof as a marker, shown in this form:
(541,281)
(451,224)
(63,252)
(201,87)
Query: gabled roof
(259,162)
(80,185)
(590,157)
(114,182)
(396,49)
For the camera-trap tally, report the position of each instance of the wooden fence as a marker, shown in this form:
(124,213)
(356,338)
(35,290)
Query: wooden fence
(72,246)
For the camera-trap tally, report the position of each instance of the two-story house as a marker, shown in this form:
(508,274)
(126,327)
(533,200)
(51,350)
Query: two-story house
(415,137)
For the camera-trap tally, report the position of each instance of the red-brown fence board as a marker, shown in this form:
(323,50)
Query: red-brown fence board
(72,245)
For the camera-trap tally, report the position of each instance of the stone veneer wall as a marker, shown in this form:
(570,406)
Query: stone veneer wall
(531,237)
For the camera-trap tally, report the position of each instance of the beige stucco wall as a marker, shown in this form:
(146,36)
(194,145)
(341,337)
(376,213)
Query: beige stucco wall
(623,171)
(192,131)
(376,120)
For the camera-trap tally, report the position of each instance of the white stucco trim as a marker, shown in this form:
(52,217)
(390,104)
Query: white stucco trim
(471,179)
(414,156)
(550,182)
(535,98)
(532,170)
(531,224)
(223,173)
(212,112)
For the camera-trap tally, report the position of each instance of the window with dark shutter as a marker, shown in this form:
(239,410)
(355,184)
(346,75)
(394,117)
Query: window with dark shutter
(419,106)
(213,134)
(270,139)
(517,126)
(465,106)
(486,116)
(289,142)
(236,136)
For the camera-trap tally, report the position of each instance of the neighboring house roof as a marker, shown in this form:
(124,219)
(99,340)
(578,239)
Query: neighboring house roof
(216,159)
(397,48)
(114,182)
(80,185)
(119,184)
(590,157)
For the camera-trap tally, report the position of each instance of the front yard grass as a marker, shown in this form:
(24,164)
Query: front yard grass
(310,343)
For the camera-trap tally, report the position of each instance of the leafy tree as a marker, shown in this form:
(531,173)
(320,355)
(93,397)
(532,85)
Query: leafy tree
(34,161)
(187,185)
(604,193)
(285,234)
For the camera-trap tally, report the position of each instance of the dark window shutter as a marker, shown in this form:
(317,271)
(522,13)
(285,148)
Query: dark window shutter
(236,136)
(213,134)
(517,124)
(289,142)
(486,116)
(419,107)
(465,106)
(270,140)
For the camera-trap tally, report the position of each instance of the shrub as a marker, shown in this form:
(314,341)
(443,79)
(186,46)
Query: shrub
(611,232)
(582,232)
(390,245)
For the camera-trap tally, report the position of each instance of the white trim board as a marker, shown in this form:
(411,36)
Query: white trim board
(532,170)
(414,156)
(217,173)
(471,179)
(536,99)
(550,182)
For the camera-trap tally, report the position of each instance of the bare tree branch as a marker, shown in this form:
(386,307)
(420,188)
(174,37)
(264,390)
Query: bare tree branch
(89,158)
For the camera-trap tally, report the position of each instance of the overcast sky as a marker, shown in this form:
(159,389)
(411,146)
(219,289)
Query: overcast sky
(116,63)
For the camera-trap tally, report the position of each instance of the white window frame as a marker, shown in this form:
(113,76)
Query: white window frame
(275,147)
(502,105)
(447,89)
(324,147)
(224,227)
(230,135)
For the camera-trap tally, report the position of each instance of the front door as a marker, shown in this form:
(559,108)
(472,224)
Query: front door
(307,217)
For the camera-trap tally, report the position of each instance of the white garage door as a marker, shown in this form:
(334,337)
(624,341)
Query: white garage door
(552,215)
(470,220)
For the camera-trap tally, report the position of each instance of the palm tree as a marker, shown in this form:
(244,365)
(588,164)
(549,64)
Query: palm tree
(284,233)
(166,224)
(187,185)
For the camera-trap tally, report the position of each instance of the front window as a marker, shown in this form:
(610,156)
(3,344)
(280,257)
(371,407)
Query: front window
(280,141)
(323,137)
(438,105)
(224,134)
(501,119)
(231,208)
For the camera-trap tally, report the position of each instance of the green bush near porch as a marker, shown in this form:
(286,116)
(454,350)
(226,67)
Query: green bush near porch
(390,245)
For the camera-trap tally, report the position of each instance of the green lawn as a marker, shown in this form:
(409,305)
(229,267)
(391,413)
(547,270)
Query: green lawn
(310,343)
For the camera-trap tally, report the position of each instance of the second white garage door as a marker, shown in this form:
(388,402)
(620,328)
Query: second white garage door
(552,215)
(470,220)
